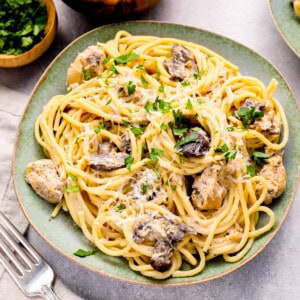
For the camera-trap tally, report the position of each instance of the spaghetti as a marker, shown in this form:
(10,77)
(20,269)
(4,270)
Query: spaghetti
(166,153)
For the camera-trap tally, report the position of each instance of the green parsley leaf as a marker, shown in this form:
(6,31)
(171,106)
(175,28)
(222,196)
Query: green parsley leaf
(141,68)
(231,128)
(144,81)
(224,148)
(121,207)
(158,105)
(188,139)
(97,129)
(199,75)
(72,189)
(251,170)
(180,119)
(179,131)
(106,59)
(259,157)
(200,101)
(113,69)
(174,188)
(185,83)
(87,74)
(156,173)
(155,154)
(248,114)
(108,102)
(123,59)
(144,188)
(163,126)
(84,253)
(76,140)
(125,123)
(131,87)
(73,177)
(161,88)
(230,154)
(189,104)
(128,161)
(137,130)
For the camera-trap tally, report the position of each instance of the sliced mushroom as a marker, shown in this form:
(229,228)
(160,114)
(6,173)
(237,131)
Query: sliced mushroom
(198,145)
(208,190)
(44,179)
(107,162)
(274,172)
(165,233)
(125,145)
(182,64)
(90,61)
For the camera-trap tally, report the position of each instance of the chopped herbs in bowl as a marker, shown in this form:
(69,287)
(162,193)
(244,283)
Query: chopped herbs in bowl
(25,25)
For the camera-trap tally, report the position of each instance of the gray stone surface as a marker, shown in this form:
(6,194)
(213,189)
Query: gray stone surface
(275,273)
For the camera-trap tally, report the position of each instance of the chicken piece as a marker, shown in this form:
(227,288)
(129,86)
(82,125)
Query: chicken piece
(269,124)
(87,62)
(44,179)
(165,233)
(198,145)
(208,190)
(274,172)
(107,162)
(182,64)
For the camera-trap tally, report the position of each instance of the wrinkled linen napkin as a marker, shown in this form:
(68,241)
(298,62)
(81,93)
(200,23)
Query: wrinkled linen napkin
(12,105)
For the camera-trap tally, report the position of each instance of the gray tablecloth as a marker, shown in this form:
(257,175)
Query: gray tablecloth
(12,104)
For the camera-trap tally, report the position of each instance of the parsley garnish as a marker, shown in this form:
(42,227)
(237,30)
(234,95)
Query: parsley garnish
(188,139)
(185,83)
(144,81)
(84,253)
(230,154)
(199,75)
(123,59)
(87,74)
(125,123)
(179,131)
(106,59)
(137,130)
(189,104)
(121,207)
(180,119)
(259,157)
(161,88)
(72,189)
(163,126)
(155,154)
(108,102)
(113,69)
(158,105)
(141,68)
(97,129)
(248,114)
(251,170)
(144,188)
(128,161)
(131,87)
(73,177)
(224,148)
(231,128)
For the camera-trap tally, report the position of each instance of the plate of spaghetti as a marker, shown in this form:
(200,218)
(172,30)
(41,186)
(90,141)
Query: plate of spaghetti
(286,16)
(158,158)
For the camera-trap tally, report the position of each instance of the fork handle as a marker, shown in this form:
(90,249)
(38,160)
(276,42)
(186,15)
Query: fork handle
(48,293)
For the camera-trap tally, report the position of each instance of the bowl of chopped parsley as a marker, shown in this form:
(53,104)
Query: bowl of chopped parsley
(27,29)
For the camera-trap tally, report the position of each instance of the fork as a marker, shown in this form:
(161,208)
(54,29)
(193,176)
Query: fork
(28,269)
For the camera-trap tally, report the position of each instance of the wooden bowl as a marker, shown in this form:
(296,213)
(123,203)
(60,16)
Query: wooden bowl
(11,61)
(108,8)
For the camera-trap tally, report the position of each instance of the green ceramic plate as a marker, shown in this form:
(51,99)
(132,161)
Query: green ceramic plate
(61,233)
(286,22)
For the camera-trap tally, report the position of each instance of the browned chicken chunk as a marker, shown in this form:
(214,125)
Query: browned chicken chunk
(88,62)
(208,190)
(182,64)
(274,173)
(165,233)
(44,179)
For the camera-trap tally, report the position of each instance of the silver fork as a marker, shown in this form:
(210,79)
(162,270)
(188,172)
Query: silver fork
(29,270)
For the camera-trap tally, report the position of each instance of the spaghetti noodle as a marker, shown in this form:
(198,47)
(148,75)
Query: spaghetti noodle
(166,153)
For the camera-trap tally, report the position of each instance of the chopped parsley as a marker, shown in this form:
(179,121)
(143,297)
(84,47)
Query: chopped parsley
(72,189)
(231,128)
(144,188)
(259,157)
(128,161)
(185,83)
(179,131)
(121,207)
(180,119)
(188,139)
(125,123)
(22,25)
(113,69)
(230,154)
(251,170)
(224,148)
(84,253)
(155,154)
(248,114)
(161,88)
(131,87)
(199,75)
(189,104)
(137,130)
(87,74)
(123,59)
(141,68)
(158,105)
(163,126)
(144,81)
(97,129)
(73,177)
(108,102)
(106,59)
